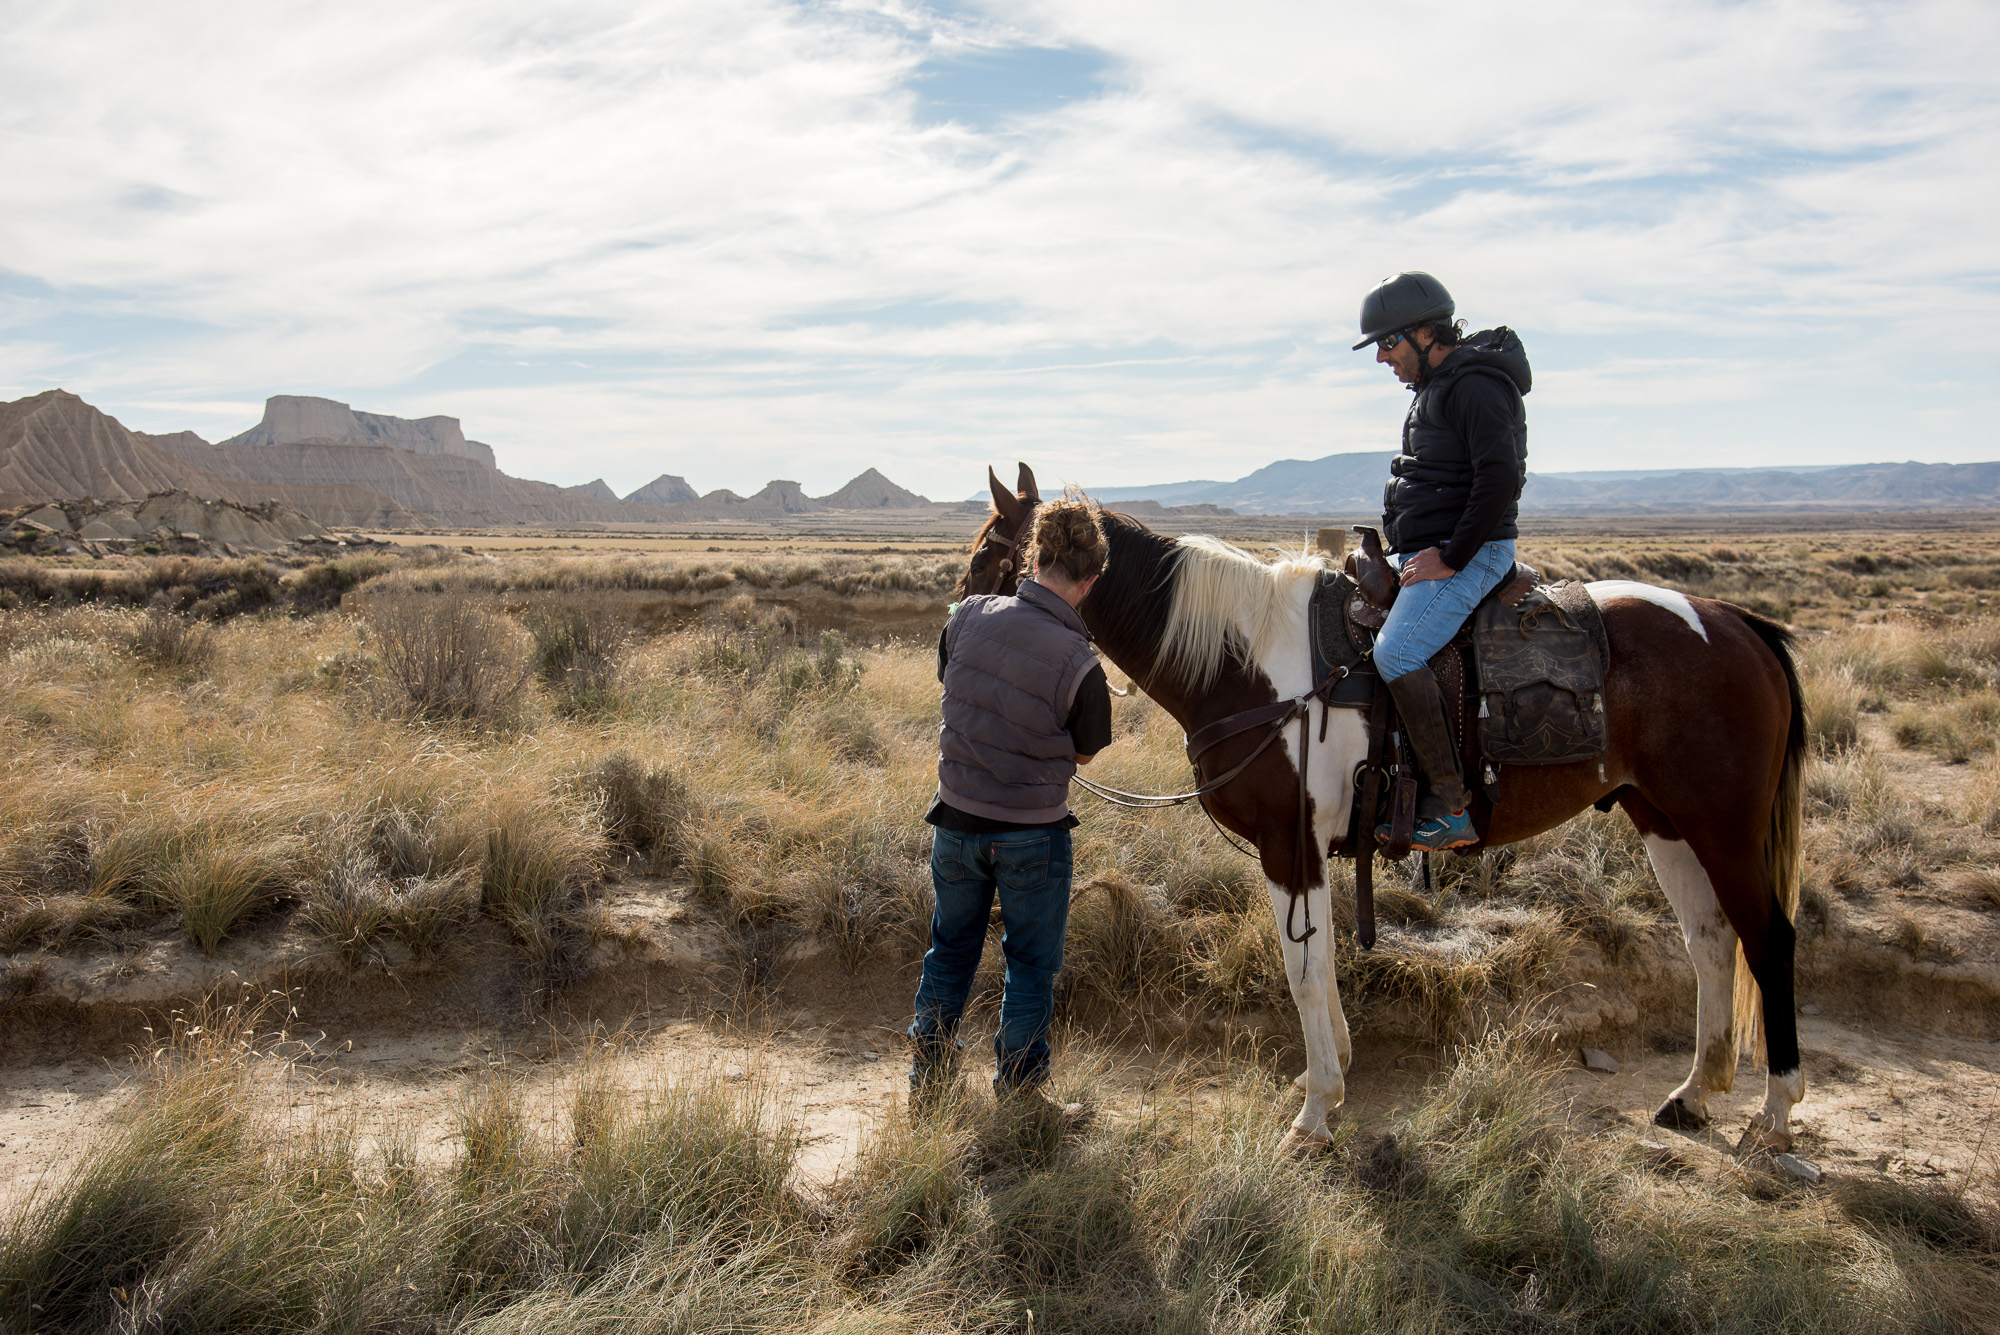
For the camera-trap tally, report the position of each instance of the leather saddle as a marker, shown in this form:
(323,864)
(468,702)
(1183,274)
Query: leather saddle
(1349,606)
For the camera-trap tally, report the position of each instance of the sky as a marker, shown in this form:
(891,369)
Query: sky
(1124,241)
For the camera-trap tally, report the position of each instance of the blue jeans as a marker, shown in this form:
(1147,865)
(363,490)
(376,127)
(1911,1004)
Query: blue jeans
(1030,870)
(1427,615)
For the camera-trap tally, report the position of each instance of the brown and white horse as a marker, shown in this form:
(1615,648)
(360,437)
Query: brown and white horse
(1707,744)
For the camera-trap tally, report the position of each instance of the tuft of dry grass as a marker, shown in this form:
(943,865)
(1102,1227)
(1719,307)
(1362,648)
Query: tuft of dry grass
(218,880)
(1955,729)
(540,858)
(174,642)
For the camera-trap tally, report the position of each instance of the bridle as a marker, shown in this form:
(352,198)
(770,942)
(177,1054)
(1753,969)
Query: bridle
(1274,718)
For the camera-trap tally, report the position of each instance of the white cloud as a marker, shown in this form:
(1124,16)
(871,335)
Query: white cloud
(725,241)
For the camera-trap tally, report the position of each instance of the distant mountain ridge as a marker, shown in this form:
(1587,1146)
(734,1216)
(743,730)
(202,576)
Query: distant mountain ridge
(367,470)
(1341,484)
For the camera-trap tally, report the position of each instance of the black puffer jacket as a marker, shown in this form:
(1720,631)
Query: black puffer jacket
(1457,483)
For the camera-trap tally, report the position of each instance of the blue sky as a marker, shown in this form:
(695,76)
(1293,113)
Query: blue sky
(1123,241)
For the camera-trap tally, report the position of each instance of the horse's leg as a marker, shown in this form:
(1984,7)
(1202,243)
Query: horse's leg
(1343,1041)
(1746,896)
(1309,970)
(1711,945)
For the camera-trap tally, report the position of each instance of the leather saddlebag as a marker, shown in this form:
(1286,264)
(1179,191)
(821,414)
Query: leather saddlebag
(1541,683)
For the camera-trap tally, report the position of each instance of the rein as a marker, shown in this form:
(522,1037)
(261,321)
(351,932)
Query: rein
(1278,716)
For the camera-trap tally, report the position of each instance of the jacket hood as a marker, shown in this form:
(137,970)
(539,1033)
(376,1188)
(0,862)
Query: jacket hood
(1499,349)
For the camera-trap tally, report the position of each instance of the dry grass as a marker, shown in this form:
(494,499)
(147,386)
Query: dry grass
(1481,1208)
(532,739)
(779,774)
(1955,728)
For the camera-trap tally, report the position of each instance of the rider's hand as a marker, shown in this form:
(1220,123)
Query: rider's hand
(1426,564)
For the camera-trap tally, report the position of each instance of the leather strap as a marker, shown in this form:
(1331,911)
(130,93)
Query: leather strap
(1204,739)
(1361,824)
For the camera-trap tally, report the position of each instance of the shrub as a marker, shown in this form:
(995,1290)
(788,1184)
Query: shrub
(177,643)
(321,586)
(577,649)
(445,660)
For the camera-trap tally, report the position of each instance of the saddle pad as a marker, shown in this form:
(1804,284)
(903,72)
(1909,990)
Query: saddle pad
(1541,678)
(1334,642)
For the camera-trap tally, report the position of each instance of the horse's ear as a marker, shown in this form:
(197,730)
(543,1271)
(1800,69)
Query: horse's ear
(1026,486)
(1005,502)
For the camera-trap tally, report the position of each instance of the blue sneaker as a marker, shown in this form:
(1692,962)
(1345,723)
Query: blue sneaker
(1438,834)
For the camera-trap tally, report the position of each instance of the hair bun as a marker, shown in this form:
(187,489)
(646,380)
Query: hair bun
(1069,536)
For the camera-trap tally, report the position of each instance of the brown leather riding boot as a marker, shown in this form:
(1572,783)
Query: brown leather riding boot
(1421,707)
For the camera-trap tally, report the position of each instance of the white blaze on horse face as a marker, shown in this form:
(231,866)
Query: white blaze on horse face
(1603,591)
(1711,945)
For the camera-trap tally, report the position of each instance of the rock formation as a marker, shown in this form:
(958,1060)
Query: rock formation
(666,489)
(365,470)
(289,418)
(450,489)
(597,489)
(55,445)
(872,491)
(160,518)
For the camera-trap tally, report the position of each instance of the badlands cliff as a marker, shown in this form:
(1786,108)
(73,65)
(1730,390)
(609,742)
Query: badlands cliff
(290,418)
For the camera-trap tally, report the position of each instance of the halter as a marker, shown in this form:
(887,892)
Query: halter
(1276,717)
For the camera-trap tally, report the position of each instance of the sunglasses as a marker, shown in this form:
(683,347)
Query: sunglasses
(1390,340)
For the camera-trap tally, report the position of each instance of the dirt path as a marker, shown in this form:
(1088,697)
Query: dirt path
(1880,1101)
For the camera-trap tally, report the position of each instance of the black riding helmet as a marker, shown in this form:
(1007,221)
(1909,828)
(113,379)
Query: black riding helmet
(1396,305)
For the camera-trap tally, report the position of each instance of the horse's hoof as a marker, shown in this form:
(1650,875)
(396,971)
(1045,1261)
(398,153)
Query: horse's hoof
(1760,1137)
(1677,1116)
(1298,1144)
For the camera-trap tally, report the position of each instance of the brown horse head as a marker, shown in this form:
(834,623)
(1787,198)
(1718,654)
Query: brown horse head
(998,550)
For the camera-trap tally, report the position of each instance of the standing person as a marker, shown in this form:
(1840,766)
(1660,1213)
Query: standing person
(1025,703)
(1448,512)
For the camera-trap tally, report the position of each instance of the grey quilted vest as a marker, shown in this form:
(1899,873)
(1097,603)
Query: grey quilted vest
(1011,674)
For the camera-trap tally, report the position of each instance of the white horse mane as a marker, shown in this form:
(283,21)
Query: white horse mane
(1225,597)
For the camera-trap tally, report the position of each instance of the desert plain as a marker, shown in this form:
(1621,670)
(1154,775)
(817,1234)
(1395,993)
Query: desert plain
(490,929)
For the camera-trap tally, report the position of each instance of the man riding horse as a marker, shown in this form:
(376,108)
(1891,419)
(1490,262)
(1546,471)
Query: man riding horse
(1448,513)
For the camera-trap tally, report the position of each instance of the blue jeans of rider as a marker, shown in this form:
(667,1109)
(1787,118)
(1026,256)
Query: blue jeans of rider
(1030,872)
(1427,615)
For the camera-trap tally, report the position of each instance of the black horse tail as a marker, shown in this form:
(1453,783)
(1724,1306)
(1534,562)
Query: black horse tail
(1784,836)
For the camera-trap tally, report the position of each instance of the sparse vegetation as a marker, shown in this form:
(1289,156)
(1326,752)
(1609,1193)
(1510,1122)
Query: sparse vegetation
(1480,1208)
(455,749)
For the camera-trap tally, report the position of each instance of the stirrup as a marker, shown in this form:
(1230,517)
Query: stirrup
(1438,834)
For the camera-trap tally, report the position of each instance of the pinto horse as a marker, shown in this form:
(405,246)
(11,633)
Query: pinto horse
(1707,735)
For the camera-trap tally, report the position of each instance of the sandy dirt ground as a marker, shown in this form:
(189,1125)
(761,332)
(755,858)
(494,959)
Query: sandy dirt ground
(1917,1105)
